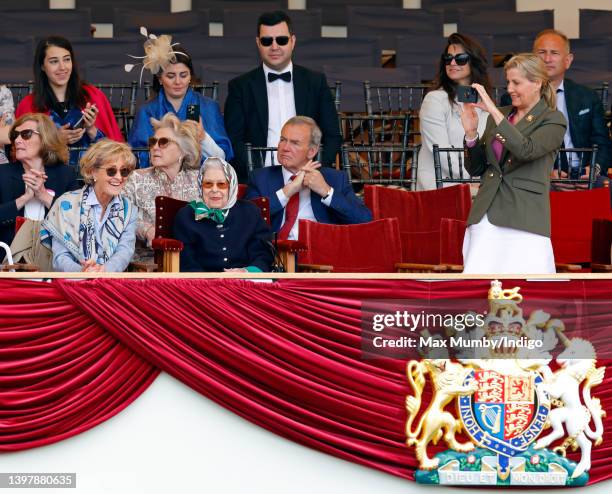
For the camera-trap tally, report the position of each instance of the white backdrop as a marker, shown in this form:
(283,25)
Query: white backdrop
(172,440)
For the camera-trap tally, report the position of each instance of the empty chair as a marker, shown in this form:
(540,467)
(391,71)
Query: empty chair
(374,130)
(381,164)
(591,55)
(240,21)
(69,23)
(573,168)
(102,10)
(372,247)
(420,215)
(505,27)
(335,12)
(122,98)
(388,22)
(451,8)
(421,50)
(25,5)
(221,74)
(352,81)
(107,72)
(601,246)
(595,23)
(226,50)
(16,51)
(572,214)
(449,167)
(216,7)
(20,90)
(315,53)
(393,98)
(112,50)
(128,22)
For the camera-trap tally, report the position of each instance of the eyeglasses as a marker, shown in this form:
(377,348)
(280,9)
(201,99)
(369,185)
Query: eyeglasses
(25,134)
(268,40)
(459,58)
(220,185)
(162,142)
(111,171)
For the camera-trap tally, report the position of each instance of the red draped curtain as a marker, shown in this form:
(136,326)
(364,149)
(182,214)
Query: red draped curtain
(284,355)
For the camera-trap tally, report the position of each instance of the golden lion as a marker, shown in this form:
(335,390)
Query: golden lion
(448,380)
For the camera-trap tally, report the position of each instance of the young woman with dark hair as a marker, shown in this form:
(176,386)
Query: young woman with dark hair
(462,63)
(173,73)
(81,111)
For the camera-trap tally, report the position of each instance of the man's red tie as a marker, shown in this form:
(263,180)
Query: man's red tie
(291,214)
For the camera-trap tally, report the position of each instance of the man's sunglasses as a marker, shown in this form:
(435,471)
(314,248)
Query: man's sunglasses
(460,58)
(162,142)
(220,185)
(25,134)
(268,40)
(111,171)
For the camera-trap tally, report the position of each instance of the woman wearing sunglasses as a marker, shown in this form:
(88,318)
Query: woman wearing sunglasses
(174,151)
(30,185)
(220,232)
(93,229)
(172,70)
(81,111)
(462,63)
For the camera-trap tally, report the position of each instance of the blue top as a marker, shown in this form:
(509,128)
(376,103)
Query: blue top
(63,259)
(158,107)
(71,117)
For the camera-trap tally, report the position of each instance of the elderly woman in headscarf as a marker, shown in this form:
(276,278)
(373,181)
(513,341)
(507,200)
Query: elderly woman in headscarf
(220,232)
(93,229)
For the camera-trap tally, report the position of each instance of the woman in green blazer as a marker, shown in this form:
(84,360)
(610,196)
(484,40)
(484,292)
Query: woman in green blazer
(509,223)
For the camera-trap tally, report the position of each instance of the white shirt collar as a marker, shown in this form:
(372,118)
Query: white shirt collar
(92,199)
(267,70)
(561,86)
(286,175)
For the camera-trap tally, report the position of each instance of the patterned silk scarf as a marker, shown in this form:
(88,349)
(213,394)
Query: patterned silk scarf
(77,231)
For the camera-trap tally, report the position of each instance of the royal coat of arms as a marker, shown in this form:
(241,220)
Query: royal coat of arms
(509,403)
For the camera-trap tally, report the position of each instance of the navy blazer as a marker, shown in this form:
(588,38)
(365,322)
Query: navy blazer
(586,120)
(246,113)
(242,240)
(61,178)
(345,208)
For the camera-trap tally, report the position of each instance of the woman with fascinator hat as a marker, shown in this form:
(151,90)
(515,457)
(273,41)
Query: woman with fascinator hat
(172,70)
(221,232)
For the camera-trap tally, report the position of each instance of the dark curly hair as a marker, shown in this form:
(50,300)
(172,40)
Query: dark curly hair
(478,65)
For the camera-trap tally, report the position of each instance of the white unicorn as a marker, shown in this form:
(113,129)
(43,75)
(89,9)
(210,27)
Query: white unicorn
(577,365)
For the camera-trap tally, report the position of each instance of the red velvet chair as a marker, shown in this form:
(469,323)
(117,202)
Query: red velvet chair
(372,247)
(452,233)
(167,249)
(572,215)
(420,215)
(601,247)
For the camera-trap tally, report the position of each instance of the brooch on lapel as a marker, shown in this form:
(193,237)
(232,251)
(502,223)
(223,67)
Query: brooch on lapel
(530,118)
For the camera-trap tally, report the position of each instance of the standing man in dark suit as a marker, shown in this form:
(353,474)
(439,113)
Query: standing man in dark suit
(580,105)
(301,188)
(261,101)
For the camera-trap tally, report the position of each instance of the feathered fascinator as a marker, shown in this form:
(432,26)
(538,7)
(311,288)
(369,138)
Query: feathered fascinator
(159,53)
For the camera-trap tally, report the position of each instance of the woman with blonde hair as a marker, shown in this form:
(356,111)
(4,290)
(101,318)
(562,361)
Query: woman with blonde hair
(30,185)
(510,215)
(93,229)
(174,151)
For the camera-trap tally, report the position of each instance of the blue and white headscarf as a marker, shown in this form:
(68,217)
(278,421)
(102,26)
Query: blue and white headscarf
(71,221)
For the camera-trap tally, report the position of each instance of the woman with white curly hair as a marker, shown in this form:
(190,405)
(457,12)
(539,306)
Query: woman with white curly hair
(220,232)
(174,151)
